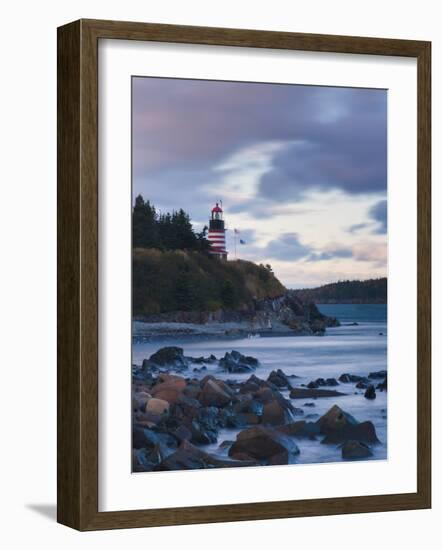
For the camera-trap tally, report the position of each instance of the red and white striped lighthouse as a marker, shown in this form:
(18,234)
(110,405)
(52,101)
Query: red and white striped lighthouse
(217,233)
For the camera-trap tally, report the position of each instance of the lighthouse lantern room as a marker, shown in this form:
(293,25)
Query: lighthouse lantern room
(217,233)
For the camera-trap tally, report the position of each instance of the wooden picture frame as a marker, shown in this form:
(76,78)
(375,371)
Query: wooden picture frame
(78,274)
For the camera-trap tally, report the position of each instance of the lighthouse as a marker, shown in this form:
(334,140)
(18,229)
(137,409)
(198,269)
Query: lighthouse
(217,233)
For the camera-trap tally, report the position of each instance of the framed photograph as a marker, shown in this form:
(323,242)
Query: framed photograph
(243,275)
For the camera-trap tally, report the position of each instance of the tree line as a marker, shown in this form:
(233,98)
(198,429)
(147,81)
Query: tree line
(168,231)
(368,291)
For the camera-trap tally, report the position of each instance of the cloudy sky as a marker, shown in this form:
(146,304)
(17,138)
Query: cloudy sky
(301,170)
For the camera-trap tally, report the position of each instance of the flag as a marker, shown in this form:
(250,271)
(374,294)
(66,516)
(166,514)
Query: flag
(241,241)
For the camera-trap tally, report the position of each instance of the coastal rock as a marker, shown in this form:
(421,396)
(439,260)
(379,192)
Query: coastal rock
(349,378)
(253,384)
(335,420)
(157,406)
(236,362)
(302,393)
(277,412)
(139,401)
(339,426)
(382,386)
(279,379)
(264,444)
(300,428)
(202,436)
(355,449)
(378,374)
(172,357)
(320,382)
(189,457)
(247,404)
(370,392)
(169,389)
(215,393)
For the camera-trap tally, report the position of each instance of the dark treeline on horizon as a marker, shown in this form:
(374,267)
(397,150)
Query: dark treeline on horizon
(368,291)
(169,231)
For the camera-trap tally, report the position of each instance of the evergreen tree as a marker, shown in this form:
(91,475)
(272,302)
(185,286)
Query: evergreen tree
(185,297)
(144,224)
(228,294)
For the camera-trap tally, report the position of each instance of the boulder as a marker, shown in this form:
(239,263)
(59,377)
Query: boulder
(265,445)
(277,412)
(139,400)
(172,357)
(189,457)
(279,379)
(266,395)
(355,449)
(253,384)
(247,404)
(382,386)
(378,374)
(339,426)
(335,420)
(370,392)
(170,389)
(202,436)
(322,382)
(157,406)
(215,393)
(349,378)
(300,428)
(236,362)
(302,393)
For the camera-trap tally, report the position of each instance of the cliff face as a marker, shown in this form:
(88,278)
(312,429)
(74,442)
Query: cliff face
(189,287)
(284,313)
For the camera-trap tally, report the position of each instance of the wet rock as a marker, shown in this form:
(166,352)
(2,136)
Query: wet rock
(201,360)
(370,392)
(279,379)
(264,444)
(350,378)
(339,426)
(382,386)
(362,385)
(157,406)
(169,357)
(335,420)
(215,393)
(309,404)
(277,412)
(169,389)
(235,362)
(378,374)
(189,457)
(355,449)
(182,433)
(302,393)
(139,401)
(266,394)
(320,382)
(202,436)
(247,404)
(301,428)
(253,384)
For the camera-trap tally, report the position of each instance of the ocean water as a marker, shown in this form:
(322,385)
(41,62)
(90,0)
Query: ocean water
(356,349)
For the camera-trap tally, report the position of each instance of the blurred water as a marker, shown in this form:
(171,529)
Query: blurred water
(357,349)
